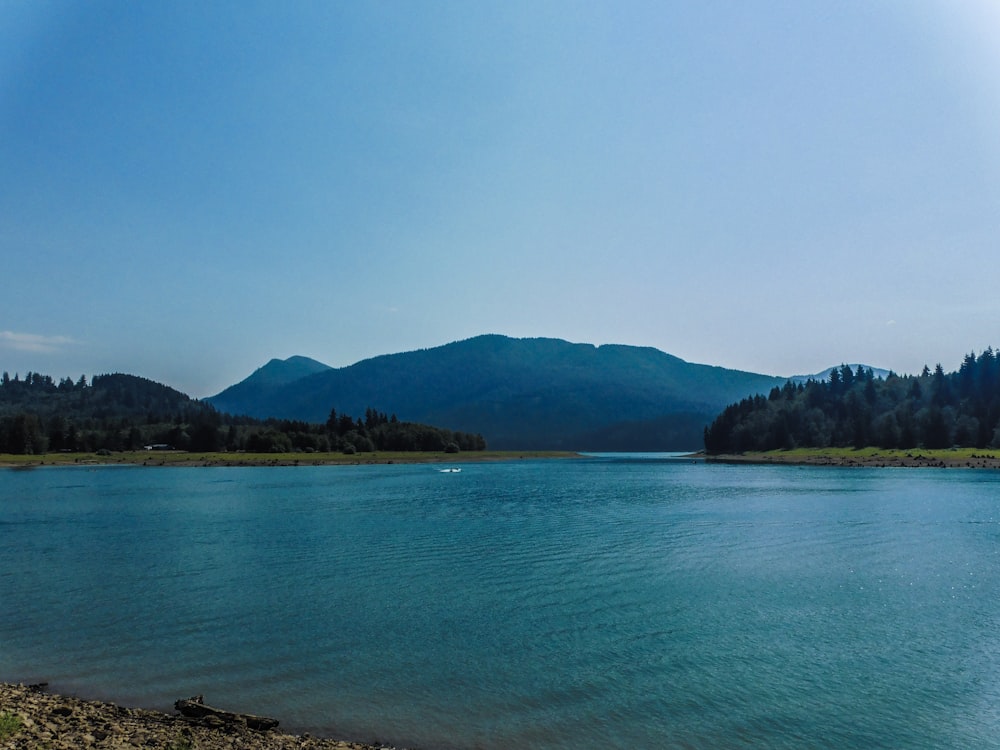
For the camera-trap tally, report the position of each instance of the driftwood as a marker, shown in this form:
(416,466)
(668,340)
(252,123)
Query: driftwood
(195,708)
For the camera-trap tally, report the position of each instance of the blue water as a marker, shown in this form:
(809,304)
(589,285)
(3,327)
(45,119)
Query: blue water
(608,602)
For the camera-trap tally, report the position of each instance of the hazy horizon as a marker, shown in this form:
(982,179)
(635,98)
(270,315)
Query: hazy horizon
(190,190)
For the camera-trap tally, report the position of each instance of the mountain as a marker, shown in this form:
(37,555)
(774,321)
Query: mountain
(261,385)
(533,393)
(822,377)
(282,371)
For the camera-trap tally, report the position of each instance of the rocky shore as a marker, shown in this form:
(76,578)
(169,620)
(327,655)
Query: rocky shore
(31,718)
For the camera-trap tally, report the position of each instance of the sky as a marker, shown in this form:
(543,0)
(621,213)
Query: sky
(189,189)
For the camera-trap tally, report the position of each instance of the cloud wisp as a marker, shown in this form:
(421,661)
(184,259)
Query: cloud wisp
(33,342)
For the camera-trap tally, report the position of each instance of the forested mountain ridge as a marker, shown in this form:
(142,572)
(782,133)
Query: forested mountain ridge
(127,412)
(854,408)
(526,393)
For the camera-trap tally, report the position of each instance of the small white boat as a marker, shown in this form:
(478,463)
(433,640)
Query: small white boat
(450,471)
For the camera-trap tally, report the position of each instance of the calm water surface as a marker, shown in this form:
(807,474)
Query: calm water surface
(599,603)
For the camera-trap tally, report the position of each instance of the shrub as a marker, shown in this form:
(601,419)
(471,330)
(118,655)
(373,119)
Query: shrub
(10,724)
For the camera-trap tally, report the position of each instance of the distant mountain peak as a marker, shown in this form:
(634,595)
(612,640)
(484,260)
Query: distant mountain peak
(824,375)
(281,371)
(265,380)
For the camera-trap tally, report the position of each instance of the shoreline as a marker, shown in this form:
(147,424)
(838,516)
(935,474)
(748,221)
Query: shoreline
(31,717)
(872,458)
(965,458)
(208,459)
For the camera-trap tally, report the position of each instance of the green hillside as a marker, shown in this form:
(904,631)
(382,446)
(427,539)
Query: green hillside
(113,411)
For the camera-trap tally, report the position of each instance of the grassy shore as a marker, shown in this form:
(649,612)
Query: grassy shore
(183,458)
(966,458)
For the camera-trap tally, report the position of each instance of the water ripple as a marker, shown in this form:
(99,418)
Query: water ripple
(586,604)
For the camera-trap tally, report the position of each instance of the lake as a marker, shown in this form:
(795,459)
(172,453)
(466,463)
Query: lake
(606,602)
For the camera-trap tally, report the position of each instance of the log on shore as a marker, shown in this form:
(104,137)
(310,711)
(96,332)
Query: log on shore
(195,708)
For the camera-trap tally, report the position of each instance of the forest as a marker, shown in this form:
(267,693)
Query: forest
(118,412)
(854,409)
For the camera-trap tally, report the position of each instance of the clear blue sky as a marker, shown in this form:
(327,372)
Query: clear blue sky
(189,189)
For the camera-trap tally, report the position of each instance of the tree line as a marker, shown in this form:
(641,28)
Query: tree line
(855,409)
(118,412)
